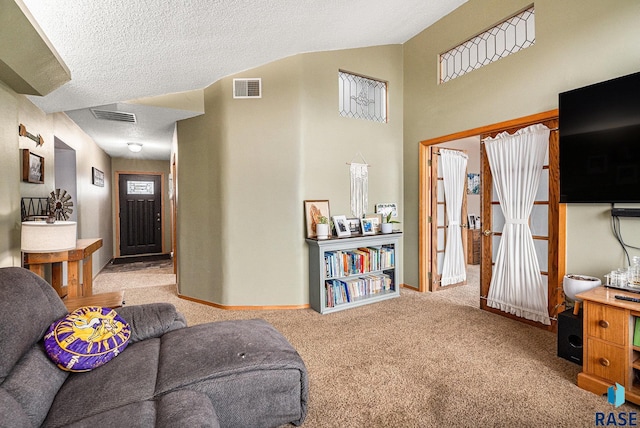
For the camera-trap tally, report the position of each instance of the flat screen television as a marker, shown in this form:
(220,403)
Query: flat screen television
(600,142)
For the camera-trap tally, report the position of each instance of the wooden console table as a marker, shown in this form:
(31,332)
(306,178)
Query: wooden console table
(609,355)
(81,253)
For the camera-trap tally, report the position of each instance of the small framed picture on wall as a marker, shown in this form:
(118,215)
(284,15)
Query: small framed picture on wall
(32,167)
(97,178)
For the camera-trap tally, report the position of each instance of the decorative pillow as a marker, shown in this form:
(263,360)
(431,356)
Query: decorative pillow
(86,338)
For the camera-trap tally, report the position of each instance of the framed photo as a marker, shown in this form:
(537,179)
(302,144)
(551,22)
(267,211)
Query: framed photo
(97,177)
(473,184)
(384,209)
(313,210)
(32,167)
(354,225)
(368,227)
(341,225)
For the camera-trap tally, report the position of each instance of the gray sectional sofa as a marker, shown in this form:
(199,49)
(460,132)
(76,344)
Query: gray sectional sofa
(228,374)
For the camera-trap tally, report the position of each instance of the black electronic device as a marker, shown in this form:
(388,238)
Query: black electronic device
(570,336)
(600,142)
(627,298)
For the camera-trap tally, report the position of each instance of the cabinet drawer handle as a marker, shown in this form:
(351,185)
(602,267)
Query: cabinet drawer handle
(603,324)
(603,361)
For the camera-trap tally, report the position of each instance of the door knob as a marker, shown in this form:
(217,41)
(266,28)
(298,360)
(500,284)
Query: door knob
(487,233)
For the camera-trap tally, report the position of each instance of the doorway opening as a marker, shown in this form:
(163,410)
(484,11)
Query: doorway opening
(551,244)
(65,178)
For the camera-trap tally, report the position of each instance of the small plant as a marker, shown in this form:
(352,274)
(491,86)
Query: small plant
(323,220)
(387,218)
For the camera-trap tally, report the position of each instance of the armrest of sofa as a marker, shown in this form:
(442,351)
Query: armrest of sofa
(151,320)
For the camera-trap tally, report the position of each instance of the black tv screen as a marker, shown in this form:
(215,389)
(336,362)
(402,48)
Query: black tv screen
(600,142)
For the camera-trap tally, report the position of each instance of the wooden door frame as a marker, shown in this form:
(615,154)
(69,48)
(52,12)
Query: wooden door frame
(557,227)
(117,198)
(174,213)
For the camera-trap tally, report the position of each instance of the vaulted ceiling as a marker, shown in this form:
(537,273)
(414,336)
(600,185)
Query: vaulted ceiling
(122,50)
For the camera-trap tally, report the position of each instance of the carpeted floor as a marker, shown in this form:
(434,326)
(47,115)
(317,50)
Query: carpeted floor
(420,360)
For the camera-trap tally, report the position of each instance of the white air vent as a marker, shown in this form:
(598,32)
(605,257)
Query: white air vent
(117,116)
(247,88)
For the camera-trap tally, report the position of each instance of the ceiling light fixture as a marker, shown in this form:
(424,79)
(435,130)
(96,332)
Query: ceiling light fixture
(134,147)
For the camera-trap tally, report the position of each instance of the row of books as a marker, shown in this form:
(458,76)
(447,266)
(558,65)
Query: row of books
(342,263)
(350,290)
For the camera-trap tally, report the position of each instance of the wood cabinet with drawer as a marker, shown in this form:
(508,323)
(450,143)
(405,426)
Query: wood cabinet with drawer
(473,246)
(609,355)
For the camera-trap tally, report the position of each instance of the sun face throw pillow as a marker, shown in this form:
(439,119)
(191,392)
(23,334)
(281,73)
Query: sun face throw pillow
(86,338)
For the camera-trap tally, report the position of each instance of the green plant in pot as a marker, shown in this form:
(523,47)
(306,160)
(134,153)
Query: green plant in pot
(322,227)
(387,223)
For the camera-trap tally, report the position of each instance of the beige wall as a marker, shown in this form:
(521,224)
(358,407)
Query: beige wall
(577,43)
(10,171)
(246,167)
(93,203)
(121,165)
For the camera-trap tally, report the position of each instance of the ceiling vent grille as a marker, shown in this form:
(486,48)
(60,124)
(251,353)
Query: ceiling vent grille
(247,88)
(117,116)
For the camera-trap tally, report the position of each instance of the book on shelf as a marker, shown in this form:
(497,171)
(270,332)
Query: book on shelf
(349,290)
(358,261)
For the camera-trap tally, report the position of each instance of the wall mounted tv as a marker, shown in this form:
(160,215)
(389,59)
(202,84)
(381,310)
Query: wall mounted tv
(600,142)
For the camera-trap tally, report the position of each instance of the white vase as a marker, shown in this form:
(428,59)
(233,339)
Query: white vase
(387,227)
(322,231)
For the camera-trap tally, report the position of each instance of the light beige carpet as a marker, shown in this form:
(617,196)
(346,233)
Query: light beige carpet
(421,360)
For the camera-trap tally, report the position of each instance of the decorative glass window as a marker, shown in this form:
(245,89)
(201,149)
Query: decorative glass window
(503,39)
(361,97)
(140,188)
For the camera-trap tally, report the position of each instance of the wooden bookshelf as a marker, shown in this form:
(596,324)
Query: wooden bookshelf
(349,272)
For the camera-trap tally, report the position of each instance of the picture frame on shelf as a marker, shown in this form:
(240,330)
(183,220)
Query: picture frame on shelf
(368,225)
(313,210)
(471,221)
(97,177)
(354,225)
(32,167)
(341,225)
(384,209)
(376,219)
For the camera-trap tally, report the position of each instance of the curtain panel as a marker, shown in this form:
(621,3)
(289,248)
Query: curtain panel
(454,174)
(516,163)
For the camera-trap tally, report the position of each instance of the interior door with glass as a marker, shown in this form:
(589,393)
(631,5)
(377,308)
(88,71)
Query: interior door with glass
(543,222)
(439,223)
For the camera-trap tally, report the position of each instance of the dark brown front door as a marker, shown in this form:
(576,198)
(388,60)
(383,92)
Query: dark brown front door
(140,214)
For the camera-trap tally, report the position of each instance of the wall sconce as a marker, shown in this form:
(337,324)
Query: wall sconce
(134,147)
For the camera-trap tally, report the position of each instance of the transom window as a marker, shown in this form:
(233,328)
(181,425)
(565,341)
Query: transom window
(362,97)
(503,39)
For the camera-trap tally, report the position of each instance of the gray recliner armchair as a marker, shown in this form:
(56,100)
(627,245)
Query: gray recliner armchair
(228,374)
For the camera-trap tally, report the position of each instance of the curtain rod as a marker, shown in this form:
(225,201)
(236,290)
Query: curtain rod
(550,129)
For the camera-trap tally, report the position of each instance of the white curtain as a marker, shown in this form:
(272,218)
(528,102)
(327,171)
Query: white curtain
(454,174)
(516,164)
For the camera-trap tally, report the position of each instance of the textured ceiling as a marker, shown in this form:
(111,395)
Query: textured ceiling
(119,50)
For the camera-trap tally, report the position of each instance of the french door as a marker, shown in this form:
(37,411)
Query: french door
(549,237)
(543,222)
(439,222)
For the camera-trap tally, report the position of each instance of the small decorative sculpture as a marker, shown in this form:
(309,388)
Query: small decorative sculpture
(60,204)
